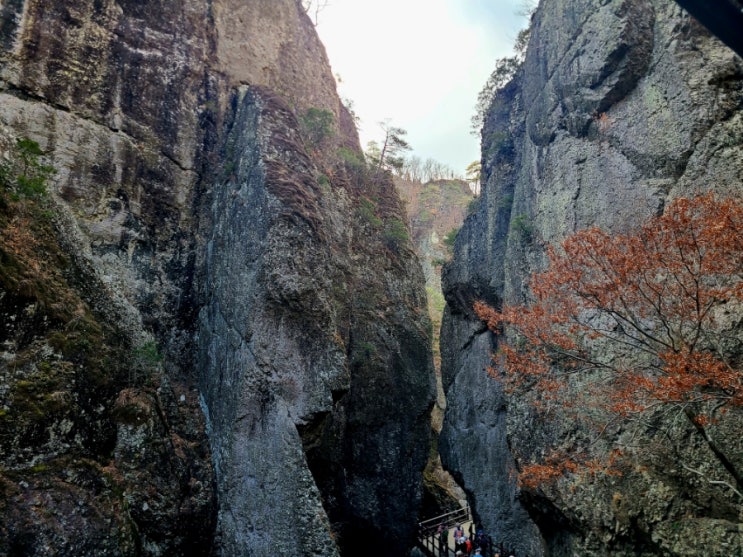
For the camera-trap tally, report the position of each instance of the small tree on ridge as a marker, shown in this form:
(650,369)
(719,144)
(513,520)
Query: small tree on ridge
(389,155)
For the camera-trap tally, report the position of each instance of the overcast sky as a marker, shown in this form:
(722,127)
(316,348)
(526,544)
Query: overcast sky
(420,63)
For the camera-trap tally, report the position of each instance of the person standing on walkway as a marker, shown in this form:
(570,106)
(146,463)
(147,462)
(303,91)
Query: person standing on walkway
(482,540)
(443,541)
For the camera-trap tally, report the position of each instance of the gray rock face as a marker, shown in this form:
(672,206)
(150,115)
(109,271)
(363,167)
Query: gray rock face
(293,351)
(208,245)
(267,356)
(619,107)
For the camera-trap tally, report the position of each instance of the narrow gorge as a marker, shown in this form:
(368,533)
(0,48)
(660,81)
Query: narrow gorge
(214,330)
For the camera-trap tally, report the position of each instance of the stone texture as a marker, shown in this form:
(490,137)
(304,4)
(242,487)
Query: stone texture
(619,107)
(263,354)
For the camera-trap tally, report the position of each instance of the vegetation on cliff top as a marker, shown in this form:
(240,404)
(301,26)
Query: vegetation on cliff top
(505,69)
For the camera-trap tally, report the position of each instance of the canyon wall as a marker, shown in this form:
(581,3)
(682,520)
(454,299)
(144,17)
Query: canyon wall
(205,348)
(619,107)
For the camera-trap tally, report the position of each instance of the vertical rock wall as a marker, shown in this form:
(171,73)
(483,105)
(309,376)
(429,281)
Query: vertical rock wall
(284,338)
(120,464)
(267,356)
(619,107)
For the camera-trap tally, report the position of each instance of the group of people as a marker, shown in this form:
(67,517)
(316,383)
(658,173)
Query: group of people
(479,545)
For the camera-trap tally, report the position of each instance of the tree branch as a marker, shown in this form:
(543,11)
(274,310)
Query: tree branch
(713,482)
(721,457)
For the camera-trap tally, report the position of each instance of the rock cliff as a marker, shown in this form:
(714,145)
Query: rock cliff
(619,107)
(215,337)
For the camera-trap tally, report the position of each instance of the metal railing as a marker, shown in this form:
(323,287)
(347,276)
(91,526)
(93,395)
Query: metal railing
(428,531)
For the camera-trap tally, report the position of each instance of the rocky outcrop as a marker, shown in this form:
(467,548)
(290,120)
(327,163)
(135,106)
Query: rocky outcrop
(224,356)
(110,418)
(301,345)
(617,109)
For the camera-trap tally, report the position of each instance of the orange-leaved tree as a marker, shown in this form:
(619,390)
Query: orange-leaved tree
(656,314)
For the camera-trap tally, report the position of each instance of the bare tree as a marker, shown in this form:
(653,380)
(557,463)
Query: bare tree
(527,8)
(412,169)
(505,70)
(415,170)
(313,8)
(435,170)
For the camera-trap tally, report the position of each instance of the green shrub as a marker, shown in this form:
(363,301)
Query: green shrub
(145,362)
(364,352)
(368,212)
(352,164)
(24,174)
(473,205)
(506,201)
(395,233)
(148,353)
(500,143)
(349,156)
(324,182)
(317,126)
(451,238)
(521,226)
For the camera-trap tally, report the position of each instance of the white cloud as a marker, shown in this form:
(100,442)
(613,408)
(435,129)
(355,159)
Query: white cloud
(419,63)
